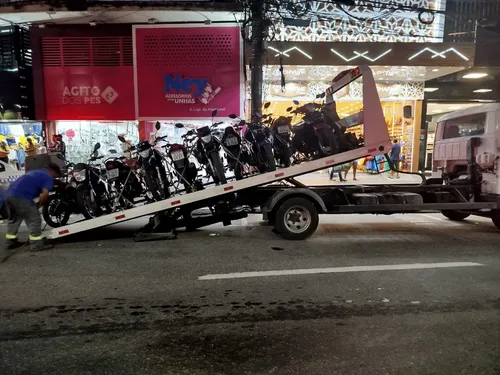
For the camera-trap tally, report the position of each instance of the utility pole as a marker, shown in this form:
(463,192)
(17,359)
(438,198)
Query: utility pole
(258,34)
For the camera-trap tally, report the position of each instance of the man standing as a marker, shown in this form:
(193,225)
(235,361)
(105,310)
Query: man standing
(395,154)
(21,207)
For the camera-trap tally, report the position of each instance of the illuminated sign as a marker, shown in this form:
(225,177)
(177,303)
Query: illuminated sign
(363,55)
(440,54)
(285,53)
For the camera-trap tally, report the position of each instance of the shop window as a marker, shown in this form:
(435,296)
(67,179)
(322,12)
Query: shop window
(81,136)
(466,126)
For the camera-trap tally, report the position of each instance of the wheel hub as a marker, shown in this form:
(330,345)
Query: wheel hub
(297,219)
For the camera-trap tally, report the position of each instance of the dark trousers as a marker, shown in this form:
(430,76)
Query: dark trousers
(20,210)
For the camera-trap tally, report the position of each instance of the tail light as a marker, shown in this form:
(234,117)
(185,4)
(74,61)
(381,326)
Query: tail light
(176,147)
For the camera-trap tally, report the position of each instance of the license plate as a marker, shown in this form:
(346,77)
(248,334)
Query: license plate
(283,129)
(231,141)
(112,173)
(177,155)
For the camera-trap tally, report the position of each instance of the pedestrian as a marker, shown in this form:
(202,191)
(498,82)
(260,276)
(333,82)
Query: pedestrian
(21,155)
(21,206)
(394,156)
(61,145)
(30,147)
(336,169)
(354,165)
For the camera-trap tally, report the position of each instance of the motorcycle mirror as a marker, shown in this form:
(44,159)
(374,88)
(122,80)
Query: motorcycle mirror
(289,109)
(190,132)
(157,125)
(320,96)
(233,116)
(267,105)
(95,154)
(179,125)
(97,146)
(214,113)
(296,102)
(122,139)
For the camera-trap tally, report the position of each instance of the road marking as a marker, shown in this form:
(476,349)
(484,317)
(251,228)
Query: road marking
(308,271)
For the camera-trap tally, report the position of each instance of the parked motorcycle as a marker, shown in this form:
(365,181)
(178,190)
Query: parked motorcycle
(313,136)
(62,202)
(186,170)
(120,173)
(282,140)
(154,172)
(207,152)
(92,192)
(237,154)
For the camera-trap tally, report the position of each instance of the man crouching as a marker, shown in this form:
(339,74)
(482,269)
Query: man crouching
(21,206)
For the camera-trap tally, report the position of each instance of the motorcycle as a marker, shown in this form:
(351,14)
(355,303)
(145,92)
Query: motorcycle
(120,172)
(282,140)
(313,136)
(92,192)
(207,152)
(186,170)
(155,174)
(237,154)
(62,203)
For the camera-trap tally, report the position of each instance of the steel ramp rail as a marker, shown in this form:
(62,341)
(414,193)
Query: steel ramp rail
(377,141)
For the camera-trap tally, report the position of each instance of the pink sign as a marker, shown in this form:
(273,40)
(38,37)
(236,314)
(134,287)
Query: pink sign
(185,72)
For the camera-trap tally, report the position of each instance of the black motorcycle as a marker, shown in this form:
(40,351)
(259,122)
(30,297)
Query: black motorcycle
(207,152)
(155,174)
(236,153)
(92,192)
(282,140)
(124,180)
(62,202)
(186,170)
(260,139)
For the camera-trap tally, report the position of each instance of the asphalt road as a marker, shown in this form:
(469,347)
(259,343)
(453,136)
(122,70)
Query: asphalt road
(334,304)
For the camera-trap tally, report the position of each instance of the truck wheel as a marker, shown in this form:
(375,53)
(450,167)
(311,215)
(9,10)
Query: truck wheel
(296,219)
(455,215)
(495,217)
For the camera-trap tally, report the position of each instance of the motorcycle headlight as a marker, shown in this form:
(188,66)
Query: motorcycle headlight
(144,153)
(80,176)
(206,138)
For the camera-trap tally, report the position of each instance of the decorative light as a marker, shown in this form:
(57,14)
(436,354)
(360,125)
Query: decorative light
(357,54)
(475,75)
(482,90)
(435,70)
(430,89)
(440,54)
(285,53)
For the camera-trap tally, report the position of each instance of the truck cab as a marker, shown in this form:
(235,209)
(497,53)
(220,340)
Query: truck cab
(467,148)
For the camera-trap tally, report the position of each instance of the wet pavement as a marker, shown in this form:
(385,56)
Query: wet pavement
(102,304)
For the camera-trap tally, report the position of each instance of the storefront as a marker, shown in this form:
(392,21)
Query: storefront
(400,71)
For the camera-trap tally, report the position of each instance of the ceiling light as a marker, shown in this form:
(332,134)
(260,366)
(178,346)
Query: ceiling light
(435,70)
(92,23)
(436,111)
(152,20)
(422,75)
(430,89)
(475,75)
(482,90)
(454,107)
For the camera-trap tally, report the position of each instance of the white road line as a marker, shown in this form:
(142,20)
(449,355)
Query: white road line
(307,271)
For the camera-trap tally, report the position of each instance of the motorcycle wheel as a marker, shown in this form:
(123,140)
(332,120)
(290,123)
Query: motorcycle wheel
(286,157)
(88,208)
(154,185)
(219,174)
(48,209)
(268,157)
(238,172)
(327,144)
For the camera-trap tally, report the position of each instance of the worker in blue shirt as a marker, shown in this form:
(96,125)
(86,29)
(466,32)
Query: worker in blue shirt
(21,206)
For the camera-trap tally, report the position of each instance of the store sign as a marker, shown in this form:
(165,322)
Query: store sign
(89,93)
(185,72)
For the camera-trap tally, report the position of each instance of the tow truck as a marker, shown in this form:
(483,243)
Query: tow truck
(294,209)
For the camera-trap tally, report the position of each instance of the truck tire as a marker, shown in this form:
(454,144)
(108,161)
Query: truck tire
(455,215)
(296,219)
(495,217)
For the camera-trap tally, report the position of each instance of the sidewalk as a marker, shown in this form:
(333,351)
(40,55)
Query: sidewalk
(315,179)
